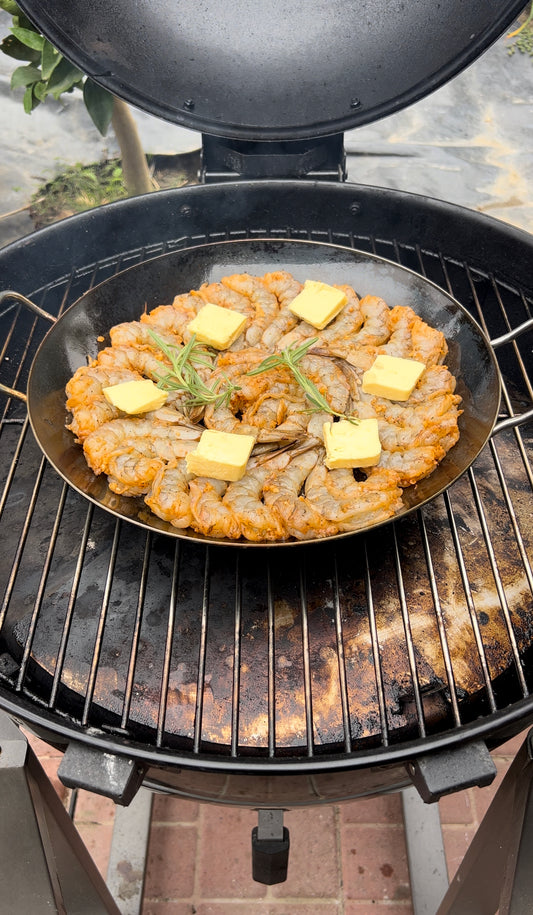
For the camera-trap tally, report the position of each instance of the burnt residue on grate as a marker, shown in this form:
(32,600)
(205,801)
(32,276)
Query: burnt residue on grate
(410,631)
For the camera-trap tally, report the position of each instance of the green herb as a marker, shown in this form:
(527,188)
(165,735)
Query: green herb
(184,377)
(523,36)
(290,357)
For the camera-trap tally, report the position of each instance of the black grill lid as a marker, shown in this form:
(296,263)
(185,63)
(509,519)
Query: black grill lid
(276,70)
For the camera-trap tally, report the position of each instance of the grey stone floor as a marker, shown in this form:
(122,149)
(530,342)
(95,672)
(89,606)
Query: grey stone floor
(470,142)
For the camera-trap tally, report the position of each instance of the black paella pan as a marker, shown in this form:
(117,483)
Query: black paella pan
(73,340)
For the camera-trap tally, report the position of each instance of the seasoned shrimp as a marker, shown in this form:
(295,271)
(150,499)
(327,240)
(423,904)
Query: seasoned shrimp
(135,333)
(429,344)
(131,451)
(135,359)
(285,288)
(360,348)
(257,520)
(86,401)
(400,341)
(210,516)
(174,318)
(281,492)
(354,504)
(219,294)
(264,301)
(347,322)
(168,496)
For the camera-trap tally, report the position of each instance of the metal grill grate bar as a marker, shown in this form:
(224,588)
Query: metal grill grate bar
(334,602)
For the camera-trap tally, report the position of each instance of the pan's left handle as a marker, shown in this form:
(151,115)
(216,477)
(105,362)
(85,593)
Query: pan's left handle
(511,421)
(5,295)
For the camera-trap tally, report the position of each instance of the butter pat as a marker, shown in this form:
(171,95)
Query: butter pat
(392,377)
(220,455)
(318,303)
(135,396)
(349,445)
(217,326)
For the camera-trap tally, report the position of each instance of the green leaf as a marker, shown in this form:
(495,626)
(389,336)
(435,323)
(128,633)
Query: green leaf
(29,100)
(64,78)
(25,76)
(99,103)
(14,48)
(10,7)
(28,37)
(50,58)
(40,90)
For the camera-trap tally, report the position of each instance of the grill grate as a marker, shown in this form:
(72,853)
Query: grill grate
(420,629)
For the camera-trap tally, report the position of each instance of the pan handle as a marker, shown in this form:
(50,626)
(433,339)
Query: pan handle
(5,295)
(10,294)
(511,421)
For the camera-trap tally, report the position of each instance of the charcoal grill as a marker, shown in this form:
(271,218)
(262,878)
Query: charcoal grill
(257,678)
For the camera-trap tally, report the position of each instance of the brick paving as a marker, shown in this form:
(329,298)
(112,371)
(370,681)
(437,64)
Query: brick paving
(347,859)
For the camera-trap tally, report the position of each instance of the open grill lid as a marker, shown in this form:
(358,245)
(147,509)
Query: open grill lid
(281,70)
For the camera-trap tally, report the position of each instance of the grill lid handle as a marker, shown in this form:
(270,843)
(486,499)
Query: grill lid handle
(438,774)
(103,773)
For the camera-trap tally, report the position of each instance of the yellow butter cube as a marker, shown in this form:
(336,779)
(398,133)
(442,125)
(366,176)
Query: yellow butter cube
(350,445)
(392,377)
(216,326)
(135,396)
(220,455)
(318,303)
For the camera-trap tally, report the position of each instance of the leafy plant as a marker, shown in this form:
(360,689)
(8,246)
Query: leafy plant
(78,188)
(523,36)
(46,72)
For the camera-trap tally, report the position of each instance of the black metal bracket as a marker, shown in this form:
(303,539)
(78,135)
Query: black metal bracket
(446,772)
(104,773)
(44,866)
(270,848)
(321,158)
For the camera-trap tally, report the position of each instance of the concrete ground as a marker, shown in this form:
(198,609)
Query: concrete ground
(469,143)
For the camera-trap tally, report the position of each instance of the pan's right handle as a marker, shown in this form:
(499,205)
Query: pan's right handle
(511,421)
(5,295)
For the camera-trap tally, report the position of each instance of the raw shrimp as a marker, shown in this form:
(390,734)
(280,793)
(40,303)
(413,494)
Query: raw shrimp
(329,378)
(285,288)
(135,359)
(281,492)
(174,318)
(263,300)
(209,515)
(86,401)
(257,520)
(429,344)
(356,503)
(411,465)
(218,294)
(131,451)
(135,333)
(347,322)
(400,341)
(360,348)
(168,496)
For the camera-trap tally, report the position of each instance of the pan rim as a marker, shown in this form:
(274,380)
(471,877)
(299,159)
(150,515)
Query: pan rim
(157,525)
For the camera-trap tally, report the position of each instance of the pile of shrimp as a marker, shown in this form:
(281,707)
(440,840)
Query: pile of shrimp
(287,491)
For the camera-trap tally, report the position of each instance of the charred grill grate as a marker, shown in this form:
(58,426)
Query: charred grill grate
(418,630)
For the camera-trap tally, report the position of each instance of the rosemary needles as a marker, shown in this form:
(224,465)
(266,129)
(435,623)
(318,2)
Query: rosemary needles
(291,357)
(183,375)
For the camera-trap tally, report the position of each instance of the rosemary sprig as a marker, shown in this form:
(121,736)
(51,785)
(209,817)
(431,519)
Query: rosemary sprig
(290,357)
(184,377)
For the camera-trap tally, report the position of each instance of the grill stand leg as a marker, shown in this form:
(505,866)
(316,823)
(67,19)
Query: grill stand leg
(270,848)
(129,847)
(496,873)
(425,852)
(44,865)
